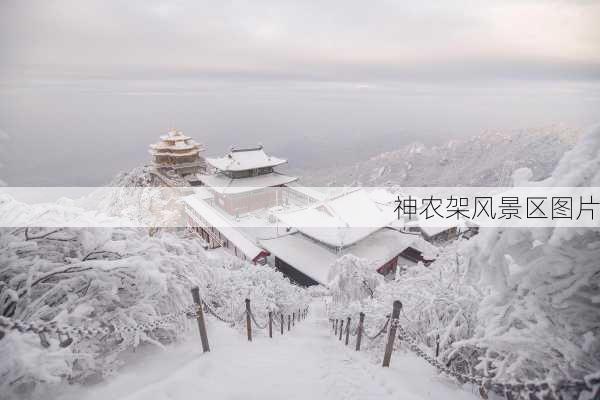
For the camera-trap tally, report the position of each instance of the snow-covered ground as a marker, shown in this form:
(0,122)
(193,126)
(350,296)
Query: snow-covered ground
(307,363)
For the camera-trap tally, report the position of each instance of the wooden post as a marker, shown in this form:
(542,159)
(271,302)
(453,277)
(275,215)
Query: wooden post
(270,324)
(289,323)
(437,346)
(341,328)
(347,331)
(389,347)
(200,319)
(293,318)
(282,323)
(361,321)
(248,320)
(299,315)
(335,328)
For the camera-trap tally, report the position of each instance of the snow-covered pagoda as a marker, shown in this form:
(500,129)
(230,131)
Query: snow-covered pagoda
(178,153)
(242,180)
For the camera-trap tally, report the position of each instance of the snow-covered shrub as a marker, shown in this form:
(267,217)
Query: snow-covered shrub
(540,317)
(352,279)
(232,281)
(117,277)
(88,278)
(438,305)
(318,291)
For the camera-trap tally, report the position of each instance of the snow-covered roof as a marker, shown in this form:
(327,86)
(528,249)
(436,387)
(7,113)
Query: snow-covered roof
(434,230)
(213,218)
(202,193)
(429,229)
(244,159)
(342,220)
(386,243)
(225,185)
(174,136)
(303,254)
(176,144)
(382,196)
(314,259)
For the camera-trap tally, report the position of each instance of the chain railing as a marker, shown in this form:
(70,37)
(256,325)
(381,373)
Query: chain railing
(510,390)
(67,333)
(229,321)
(247,314)
(381,331)
(259,326)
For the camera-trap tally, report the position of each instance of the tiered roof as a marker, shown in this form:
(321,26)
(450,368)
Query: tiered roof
(242,159)
(225,185)
(175,144)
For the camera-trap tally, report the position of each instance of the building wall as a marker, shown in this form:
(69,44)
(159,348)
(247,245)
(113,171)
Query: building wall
(246,202)
(294,275)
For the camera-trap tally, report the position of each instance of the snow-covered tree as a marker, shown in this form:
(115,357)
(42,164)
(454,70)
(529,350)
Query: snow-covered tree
(353,279)
(540,317)
(119,277)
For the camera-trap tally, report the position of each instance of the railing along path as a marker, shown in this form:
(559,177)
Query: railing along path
(67,334)
(535,390)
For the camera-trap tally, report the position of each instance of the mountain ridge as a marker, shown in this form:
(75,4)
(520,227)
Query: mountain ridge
(488,159)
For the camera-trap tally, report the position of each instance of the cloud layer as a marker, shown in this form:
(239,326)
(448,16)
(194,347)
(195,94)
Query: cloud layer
(347,39)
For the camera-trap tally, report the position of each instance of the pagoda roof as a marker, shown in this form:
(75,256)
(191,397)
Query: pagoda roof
(242,159)
(177,153)
(176,146)
(174,136)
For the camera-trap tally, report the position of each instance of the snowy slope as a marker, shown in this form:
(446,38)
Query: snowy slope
(307,363)
(485,160)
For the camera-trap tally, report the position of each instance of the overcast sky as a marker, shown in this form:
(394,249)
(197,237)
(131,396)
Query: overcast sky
(339,39)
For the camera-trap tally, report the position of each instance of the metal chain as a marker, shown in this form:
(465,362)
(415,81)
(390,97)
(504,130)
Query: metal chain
(217,316)
(53,327)
(501,388)
(253,317)
(276,319)
(383,329)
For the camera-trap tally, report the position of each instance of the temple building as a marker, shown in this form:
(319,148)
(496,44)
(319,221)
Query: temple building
(247,208)
(242,180)
(348,223)
(178,154)
(235,185)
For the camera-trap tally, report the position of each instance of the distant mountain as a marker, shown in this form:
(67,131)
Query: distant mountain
(485,160)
